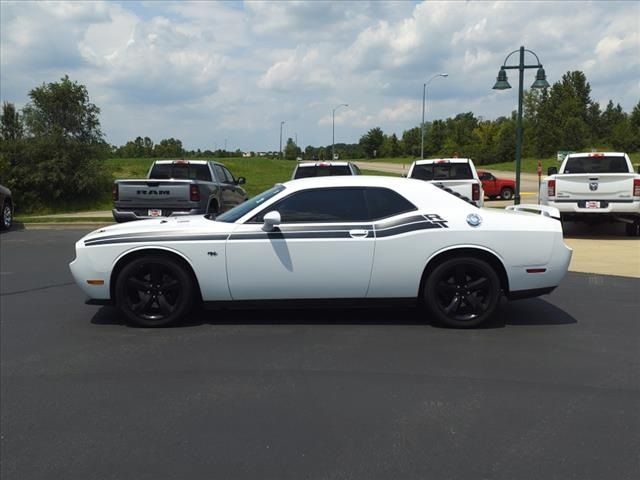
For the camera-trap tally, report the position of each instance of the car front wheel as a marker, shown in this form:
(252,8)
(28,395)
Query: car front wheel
(7,215)
(462,292)
(154,291)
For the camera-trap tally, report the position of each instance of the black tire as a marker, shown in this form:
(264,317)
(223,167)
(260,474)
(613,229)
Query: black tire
(492,197)
(632,229)
(506,193)
(7,216)
(154,291)
(462,292)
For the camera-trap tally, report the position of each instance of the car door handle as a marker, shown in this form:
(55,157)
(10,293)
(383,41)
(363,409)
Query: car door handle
(359,233)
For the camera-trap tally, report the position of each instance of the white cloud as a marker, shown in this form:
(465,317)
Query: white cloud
(205,71)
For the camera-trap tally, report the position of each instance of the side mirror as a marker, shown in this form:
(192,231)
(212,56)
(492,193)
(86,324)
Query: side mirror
(552,170)
(271,221)
(241,181)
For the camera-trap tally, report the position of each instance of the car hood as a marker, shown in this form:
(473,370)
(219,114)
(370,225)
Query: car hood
(188,224)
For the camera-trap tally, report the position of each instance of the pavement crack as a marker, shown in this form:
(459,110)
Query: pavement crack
(17,292)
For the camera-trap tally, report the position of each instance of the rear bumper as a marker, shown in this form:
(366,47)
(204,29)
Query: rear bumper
(608,207)
(126,215)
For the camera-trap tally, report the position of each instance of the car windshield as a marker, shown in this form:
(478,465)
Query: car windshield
(322,171)
(599,164)
(245,207)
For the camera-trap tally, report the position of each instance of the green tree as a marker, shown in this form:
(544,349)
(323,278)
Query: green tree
(291,150)
(411,142)
(372,142)
(168,147)
(60,156)
(11,128)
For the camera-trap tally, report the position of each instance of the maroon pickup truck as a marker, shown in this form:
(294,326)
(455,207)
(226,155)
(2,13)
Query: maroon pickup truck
(496,187)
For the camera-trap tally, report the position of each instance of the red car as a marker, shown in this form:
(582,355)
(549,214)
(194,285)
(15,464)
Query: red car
(496,187)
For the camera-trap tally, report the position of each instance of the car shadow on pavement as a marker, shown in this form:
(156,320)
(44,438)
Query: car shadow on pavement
(524,312)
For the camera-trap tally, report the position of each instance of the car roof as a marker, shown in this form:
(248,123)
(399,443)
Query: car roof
(324,163)
(179,160)
(442,160)
(597,154)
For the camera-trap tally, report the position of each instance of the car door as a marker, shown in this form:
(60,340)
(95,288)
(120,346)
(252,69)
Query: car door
(489,184)
(238,193)
(227,194)
(323,248)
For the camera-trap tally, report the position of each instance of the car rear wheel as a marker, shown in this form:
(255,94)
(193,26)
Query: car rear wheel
(7,215)
(462,292)
(506,194)
(154,291)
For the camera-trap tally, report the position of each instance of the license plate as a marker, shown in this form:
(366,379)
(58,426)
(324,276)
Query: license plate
(155,212)
(593,204)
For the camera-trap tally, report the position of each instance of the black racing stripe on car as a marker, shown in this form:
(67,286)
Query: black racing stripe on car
(155,239)
(390,232)
(395,222)
(335,227)
(295,235)
(137,234)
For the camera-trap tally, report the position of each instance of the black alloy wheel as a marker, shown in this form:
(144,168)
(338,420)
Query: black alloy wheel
(462,292)
(154,291)
(506,193)
(7,215)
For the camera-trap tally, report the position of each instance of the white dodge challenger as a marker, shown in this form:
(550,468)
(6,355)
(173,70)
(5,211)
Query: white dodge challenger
(334,239)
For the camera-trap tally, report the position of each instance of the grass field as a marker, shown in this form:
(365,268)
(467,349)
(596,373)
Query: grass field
(261,174)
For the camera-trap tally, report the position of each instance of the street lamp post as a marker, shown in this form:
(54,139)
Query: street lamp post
(281,124)
(333,129)
(424,99)
(503,84)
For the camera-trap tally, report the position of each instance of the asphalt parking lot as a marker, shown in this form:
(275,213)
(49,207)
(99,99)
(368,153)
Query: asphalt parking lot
(550,389)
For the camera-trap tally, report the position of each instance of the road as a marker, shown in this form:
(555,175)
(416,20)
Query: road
(550,389)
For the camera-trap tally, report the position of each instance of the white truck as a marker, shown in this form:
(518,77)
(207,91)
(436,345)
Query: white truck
(595,187)
(457,175)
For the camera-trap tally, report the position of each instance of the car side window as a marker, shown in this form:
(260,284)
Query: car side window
(220,176)
(228,175)
(385,203)
(323,205)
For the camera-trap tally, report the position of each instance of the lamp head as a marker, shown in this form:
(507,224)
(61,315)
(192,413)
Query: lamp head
(541,79)
(501,81)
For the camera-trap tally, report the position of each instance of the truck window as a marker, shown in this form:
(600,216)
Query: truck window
(442,171)
(322,171)
(181,171)
(616,164)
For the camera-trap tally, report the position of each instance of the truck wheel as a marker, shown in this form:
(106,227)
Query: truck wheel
(506,193)
(632,229)
(154,291)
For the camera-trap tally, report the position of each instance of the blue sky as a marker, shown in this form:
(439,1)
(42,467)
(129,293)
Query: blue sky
(207,71)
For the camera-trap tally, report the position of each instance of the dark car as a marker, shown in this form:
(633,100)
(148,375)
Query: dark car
(7,208)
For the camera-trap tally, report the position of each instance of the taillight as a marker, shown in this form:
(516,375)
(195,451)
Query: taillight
(194,193)
(636,187)
(115,193)
(475,192)
(551,188)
